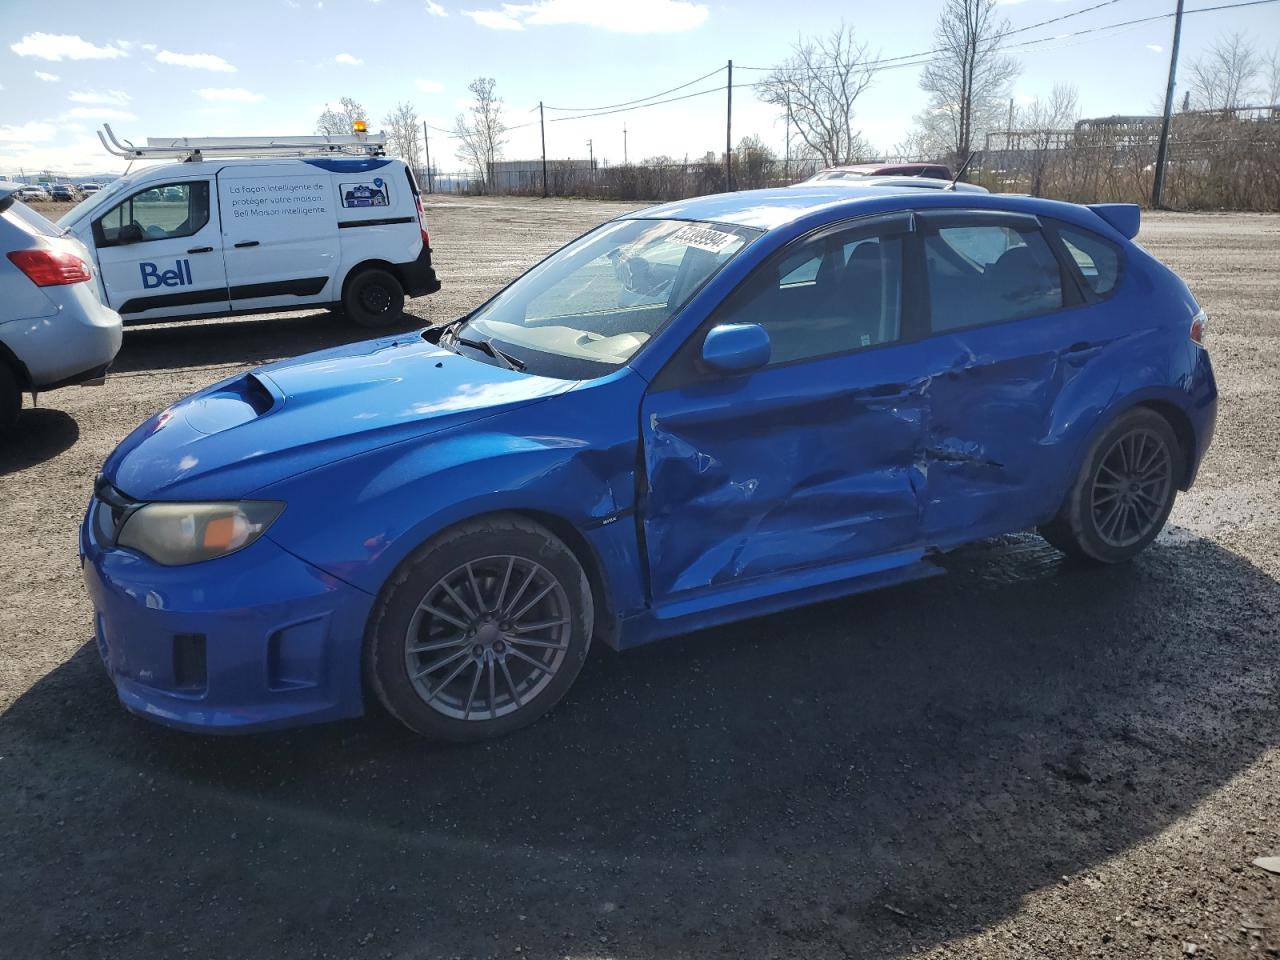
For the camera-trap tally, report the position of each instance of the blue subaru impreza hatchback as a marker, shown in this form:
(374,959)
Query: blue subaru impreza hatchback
(699,412)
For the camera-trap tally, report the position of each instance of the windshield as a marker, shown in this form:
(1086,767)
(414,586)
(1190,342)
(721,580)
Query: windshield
(597,301)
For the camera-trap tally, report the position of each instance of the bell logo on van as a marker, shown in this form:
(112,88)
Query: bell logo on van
(152,276)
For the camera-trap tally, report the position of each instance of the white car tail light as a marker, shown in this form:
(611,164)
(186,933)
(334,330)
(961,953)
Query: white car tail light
(48,268)
(422,220)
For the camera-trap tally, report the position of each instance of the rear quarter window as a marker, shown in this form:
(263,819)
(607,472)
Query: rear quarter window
(1097,258)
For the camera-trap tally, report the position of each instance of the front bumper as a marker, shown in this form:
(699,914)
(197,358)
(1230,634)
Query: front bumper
(257,640)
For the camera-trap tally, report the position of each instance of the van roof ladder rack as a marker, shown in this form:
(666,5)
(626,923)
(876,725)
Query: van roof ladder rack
(197,148)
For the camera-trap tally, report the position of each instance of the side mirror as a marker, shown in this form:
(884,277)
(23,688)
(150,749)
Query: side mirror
(736,348)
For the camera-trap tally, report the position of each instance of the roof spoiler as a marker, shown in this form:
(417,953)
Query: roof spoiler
(1125,217)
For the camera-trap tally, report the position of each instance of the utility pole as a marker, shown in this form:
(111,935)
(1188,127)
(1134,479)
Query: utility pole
(543,127)
(624,143)
(1157,186)
(591,156)
(728,132)
(1008,137)
(786,149)
(426,142)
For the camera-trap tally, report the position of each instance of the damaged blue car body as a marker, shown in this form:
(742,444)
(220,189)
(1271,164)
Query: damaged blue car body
(698,412)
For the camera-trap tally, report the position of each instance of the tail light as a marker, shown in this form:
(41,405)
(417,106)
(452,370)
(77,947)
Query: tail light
(48,268)
(422,220)
(1198,323)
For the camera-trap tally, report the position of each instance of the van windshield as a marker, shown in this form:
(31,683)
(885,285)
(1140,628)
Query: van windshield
(591,306)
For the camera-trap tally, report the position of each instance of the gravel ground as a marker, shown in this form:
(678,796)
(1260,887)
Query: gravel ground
(1021,759)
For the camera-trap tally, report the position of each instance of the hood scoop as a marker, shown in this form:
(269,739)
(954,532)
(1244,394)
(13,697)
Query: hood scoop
(239,401)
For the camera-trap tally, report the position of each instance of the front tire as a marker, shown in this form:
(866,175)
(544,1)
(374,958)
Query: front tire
(1124,492)
(481,631)
(373,298)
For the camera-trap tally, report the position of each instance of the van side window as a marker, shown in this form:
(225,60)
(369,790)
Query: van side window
(162,212)
(828,296)
(988,274)
(1098,259)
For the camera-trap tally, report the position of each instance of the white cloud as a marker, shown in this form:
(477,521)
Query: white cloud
(494,19)
(429,86)
(27,132)
(348,60)
(620,16)
(97,113)
(196,61)
(435,9)
(228,95)
(62,46)
(115,98)
(150,47)
(1155,48)
(47,77)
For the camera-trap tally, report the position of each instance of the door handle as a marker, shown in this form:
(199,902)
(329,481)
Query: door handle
(246,243)
(201,250)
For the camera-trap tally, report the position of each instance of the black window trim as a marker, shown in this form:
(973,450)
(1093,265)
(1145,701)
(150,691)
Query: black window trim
(931,221)
(696,373)
(1053,226)
(99,238)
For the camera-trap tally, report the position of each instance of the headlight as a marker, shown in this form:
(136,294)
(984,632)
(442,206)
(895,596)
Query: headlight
(178,533)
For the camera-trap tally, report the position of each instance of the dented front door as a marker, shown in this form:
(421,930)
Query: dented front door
(812,460)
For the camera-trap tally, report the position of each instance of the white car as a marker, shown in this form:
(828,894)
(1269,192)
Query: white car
(55,329)
(216,236)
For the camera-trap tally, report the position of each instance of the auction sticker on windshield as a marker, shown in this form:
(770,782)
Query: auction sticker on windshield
(704,238)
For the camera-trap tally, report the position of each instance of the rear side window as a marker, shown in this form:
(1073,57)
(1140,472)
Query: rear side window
(1098,259)
(989,274)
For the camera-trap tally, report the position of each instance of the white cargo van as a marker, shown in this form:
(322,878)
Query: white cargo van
(216,235)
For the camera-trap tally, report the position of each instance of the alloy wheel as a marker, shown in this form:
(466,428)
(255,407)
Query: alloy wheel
(487,638)
(1131,487)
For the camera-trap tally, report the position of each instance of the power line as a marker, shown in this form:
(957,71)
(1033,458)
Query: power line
(627,103)
(655,103)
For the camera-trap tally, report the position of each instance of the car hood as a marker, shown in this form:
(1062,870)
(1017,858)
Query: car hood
(290,417)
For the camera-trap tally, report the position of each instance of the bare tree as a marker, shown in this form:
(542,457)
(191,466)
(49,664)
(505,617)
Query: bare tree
(1042,122)
(401,125)
(969,77)
(755,162)
(1227,75)
(1273,78)
(481,136)
(816,87)
(337,123)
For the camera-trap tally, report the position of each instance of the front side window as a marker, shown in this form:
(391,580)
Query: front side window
(989,274)
(1098,259)
(830,295)
(600,299)
(163,212)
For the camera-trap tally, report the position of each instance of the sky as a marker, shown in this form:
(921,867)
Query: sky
(268,67)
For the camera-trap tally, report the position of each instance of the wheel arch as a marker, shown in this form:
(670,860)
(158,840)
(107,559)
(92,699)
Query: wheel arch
(1177,418)
(371,264)
(19,369)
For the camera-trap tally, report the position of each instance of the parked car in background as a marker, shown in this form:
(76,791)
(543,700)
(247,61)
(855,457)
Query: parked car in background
(55,329)
(31,192)
(855,171)
(90,188)
(695,413)
(64,192)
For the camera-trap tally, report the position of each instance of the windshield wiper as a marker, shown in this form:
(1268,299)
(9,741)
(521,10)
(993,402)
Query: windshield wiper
(486,346)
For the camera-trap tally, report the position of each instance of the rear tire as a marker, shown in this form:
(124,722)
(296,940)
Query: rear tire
(481,631)
(1122,496)
(10,398)
(373,298)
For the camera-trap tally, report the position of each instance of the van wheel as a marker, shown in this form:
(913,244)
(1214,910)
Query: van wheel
(481,631)
(1122,496)
(10,398)
(373,298)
